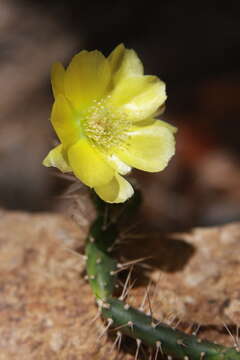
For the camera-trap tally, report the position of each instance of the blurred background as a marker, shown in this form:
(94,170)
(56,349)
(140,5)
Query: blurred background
(193,46)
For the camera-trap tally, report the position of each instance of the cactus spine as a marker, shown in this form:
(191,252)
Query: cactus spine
(101,270)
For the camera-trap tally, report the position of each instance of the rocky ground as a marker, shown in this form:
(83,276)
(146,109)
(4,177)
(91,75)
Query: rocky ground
(46,306)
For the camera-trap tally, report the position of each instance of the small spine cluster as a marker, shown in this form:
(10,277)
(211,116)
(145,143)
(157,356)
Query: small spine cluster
(101,270)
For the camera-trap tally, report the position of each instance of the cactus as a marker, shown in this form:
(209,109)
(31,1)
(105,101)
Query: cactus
(101,270)
(96,120)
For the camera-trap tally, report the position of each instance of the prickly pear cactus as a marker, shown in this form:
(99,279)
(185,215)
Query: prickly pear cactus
(126,320)
(105,115)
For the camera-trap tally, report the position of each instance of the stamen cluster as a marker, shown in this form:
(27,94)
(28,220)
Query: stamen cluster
(106,127)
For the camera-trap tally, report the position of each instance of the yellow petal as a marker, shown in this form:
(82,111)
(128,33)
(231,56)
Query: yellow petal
(117,190)
(138,97)
(57,79)
(65,122)
(151,121)
(88,165)
(172,128)
(56,159)
(118,165)
(149,148)
(87,78)
(116,57)
(124,63)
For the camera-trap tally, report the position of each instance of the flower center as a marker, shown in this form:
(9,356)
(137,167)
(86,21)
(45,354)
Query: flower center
(105,127)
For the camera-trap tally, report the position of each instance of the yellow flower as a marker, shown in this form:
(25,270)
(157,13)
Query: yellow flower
(104,115)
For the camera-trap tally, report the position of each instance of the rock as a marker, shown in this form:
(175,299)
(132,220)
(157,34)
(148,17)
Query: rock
(197,279)
(46,306)
(47,309)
